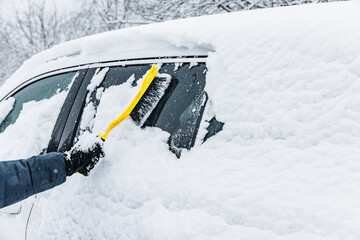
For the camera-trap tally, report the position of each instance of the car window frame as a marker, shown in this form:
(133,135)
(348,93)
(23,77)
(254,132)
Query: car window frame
(17,209)
(81,70)
(68,137)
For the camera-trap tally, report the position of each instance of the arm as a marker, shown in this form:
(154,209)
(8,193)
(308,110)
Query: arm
(20,179)
(23,178)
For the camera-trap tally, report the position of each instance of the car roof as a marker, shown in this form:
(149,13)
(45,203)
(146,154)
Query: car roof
(185,37)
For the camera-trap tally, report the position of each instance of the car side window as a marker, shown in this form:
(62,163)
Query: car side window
(180,109)
(43,89)
(189,120)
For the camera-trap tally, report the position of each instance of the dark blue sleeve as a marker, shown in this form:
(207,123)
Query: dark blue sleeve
(23,178)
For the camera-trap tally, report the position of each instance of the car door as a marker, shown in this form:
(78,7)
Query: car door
(106,89)
(25,130)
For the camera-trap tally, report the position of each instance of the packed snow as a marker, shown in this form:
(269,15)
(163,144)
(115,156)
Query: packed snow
(89,110)
(286,83)
(5,107)
(97,79)
(31,132)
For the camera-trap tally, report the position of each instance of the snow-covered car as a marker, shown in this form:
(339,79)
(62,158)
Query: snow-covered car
(61,105)
(256,136)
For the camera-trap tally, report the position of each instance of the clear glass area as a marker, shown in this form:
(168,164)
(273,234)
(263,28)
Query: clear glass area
(214,127)
(185,135)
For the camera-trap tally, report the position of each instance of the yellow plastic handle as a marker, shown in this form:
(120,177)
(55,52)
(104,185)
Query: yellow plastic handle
(145,84)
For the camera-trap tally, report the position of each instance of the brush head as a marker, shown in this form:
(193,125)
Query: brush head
(151,98)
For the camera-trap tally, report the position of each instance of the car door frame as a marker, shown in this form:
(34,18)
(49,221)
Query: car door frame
(63,115)
(70,99)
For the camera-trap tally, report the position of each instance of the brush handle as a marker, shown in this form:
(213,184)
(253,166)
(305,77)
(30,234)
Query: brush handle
(145,85)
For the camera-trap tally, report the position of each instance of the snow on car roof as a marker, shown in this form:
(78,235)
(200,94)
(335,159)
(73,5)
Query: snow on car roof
(200,36)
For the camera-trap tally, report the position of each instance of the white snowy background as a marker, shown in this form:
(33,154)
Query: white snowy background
(286,82)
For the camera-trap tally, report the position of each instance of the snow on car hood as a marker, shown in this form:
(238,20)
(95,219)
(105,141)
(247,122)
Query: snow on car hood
(286,166)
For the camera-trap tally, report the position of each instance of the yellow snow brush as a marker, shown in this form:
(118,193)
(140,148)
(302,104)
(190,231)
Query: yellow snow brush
(148,79)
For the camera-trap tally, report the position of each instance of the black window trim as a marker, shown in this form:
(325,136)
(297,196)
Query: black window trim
(64,114)
(73,116)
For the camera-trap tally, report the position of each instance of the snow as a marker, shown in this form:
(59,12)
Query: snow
(177,65)
(89,110)
(32,130)
(5,108)
(12,229)
(193,64)
(286,166)
(88,117)
(97,79)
